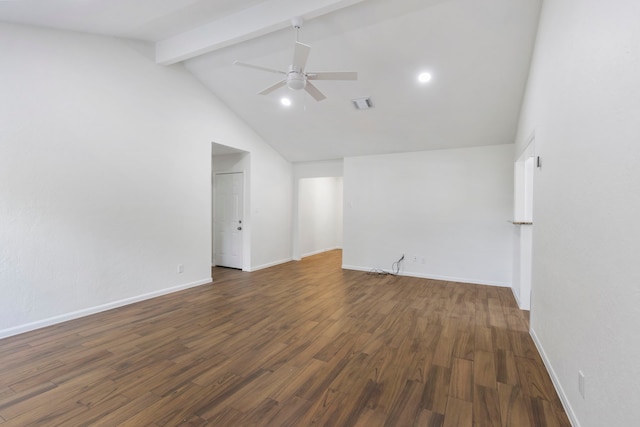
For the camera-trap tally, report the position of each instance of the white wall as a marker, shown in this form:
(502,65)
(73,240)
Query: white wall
(449,208)
(320,210)
(105,177)
(582,102)
(318,169)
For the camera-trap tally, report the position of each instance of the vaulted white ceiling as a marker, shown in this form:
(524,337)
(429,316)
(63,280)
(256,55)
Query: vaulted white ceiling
(478,52)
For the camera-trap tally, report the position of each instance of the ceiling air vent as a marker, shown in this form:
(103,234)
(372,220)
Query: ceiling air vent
(362,103)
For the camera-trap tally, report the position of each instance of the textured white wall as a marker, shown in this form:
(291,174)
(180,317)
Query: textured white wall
(271,196)
(319,169)
(448,207)
(582,102)
(320,210)
(105,177)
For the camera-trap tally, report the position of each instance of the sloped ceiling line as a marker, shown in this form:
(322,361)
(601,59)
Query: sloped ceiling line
(241,26)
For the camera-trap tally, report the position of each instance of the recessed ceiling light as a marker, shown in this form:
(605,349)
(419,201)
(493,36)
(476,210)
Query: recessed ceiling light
(424,77)
(285,101)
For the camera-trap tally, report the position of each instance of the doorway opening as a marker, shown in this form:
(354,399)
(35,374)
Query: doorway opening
(318,216)
(230,220)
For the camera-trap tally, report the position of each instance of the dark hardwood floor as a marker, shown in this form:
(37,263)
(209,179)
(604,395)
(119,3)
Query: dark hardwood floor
(300,344)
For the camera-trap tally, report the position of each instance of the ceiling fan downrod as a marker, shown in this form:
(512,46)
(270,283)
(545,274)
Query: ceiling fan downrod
(297,22)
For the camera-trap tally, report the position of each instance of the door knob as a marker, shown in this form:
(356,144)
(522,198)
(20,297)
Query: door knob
(239,228)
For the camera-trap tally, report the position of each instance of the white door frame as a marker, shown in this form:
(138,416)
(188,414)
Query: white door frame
(523,219)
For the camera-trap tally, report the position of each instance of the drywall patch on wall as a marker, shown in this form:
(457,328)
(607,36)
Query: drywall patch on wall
(446,211)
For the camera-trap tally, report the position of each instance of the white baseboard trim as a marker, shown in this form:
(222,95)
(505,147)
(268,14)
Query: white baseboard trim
(5,333)
(319,251)
(270,264)
(435,277)
(554,378)
(516,297)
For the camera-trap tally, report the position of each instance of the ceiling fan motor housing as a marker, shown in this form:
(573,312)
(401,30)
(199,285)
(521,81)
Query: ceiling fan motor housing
(296,79)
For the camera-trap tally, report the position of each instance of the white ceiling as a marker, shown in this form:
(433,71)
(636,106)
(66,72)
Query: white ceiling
(478,52)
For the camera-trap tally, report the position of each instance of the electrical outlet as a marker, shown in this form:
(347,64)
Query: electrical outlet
(180,268)
(581,384)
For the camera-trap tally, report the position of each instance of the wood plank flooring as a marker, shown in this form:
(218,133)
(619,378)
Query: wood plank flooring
(301,344)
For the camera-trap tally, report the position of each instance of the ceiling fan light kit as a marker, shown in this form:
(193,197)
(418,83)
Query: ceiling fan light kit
(296,78)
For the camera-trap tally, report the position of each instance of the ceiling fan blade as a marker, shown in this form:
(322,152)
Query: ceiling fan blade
(300,55)
(273,87)
(257,67)
(313,91)
(333,75)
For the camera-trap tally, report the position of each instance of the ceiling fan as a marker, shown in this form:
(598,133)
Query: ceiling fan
(296,77)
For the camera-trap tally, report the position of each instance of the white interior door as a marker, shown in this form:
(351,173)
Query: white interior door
(228,219)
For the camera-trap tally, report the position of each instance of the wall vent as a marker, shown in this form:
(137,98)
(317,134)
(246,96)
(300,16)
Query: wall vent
(362,103)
